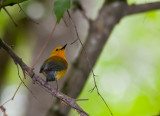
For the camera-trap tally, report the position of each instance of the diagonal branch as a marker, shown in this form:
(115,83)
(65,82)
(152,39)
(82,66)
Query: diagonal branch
(134,9)
(24,83)
(10,16)
(21,9)
(66,99)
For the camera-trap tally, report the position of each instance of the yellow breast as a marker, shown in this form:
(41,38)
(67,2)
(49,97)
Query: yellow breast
(60,74)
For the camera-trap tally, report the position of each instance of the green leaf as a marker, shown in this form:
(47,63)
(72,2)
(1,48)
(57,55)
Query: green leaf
(60,7)
(10,2)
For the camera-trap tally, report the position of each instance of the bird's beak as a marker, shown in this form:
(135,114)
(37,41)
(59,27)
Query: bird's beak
(64,47)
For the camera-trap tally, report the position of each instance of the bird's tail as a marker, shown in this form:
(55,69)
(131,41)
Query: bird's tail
(50,76)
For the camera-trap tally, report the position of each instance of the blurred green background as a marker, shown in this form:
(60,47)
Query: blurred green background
(127,69)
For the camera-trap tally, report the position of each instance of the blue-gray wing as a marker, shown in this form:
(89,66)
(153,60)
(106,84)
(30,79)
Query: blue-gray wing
(54,64)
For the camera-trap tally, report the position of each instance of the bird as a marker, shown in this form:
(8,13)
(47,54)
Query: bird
(55,67)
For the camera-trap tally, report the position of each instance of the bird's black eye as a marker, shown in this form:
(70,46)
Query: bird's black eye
(56,49)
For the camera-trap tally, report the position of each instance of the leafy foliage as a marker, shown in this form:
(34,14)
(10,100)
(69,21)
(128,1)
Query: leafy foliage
(60,7)
(10,2)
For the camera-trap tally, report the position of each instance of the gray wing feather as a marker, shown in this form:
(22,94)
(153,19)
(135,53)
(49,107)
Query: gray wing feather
(54,65)
(42,67)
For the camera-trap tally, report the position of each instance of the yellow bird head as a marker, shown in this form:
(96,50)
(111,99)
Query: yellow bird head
(59,51)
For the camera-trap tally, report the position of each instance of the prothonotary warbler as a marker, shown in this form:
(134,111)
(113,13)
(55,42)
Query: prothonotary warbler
(55,66)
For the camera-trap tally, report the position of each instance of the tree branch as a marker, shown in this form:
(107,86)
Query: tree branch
(134,9)
(3,110)
(66,99)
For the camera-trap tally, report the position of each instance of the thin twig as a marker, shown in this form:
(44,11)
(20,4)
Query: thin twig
(6,101)
(95,84)
(74,41)
(25,84)
(64,20)
(80,99)
(26,14)
(10,16)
